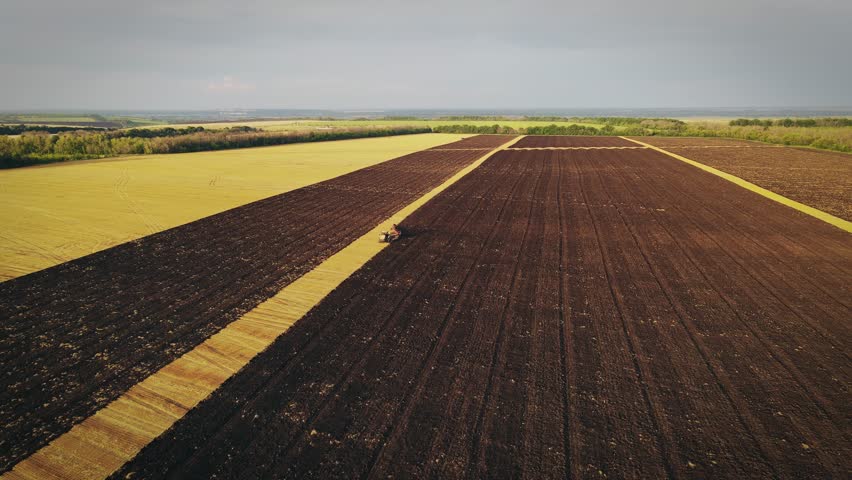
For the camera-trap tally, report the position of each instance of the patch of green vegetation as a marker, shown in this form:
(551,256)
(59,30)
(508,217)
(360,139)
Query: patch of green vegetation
(131,122)
(83,120)
(446,122)
(792,122)
(38,148)
(824,133)
(9,130)
(822,137)
(49,117)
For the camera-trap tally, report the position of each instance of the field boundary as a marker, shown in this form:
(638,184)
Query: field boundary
(103,442)
(725,146)
(825,217)
(435,149)
(577,148)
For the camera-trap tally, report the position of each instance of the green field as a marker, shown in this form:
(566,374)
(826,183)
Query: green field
(71,119)
(53,118)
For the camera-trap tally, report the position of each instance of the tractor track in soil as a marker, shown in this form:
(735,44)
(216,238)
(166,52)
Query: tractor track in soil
(77,335)
(558,313)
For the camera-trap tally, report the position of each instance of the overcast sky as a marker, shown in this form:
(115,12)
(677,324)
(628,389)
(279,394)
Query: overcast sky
(209,54)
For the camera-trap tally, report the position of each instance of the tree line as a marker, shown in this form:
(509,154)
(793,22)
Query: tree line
(475,129)
(36,147)
(112,133)
(39,148)
(792,122)
(21,129)
(837,139)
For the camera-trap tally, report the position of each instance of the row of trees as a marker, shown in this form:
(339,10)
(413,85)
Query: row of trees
(569,130)
(632,121)
(31,149)
(553,129)
(793,122)
(164,132)
(476,129)
(827,138)
(21,129)
(838,139)
(112,133)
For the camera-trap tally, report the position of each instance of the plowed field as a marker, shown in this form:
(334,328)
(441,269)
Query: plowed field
(592,313)
(544,141)
(77,335)
(820,179)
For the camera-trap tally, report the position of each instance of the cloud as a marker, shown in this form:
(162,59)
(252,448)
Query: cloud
(230,84)
(438,54)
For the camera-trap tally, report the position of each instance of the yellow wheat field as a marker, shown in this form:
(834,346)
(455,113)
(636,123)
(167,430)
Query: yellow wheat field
(56,213)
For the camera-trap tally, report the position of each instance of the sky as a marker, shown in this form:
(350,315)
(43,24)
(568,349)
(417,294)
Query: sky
(363,54)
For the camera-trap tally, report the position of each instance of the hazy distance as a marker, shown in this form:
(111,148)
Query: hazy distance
(214,54)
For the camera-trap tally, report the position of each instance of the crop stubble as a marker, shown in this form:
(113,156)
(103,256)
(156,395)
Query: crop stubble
(582,312)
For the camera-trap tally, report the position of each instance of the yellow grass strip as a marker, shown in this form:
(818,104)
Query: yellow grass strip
(457,149)
(577,148)
(104,442)
(825,217)
(725,146)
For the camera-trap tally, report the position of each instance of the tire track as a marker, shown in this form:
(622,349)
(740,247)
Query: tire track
(566,367)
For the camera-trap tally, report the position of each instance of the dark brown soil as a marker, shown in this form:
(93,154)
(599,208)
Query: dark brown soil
(822,180)
(600,313)
(544,141)
(76,336)
(477,141)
